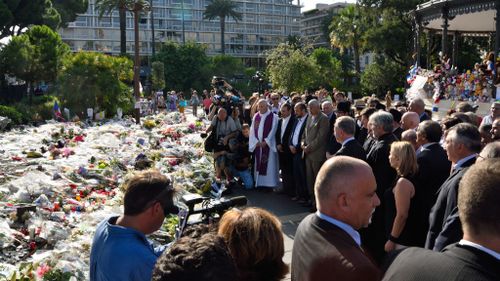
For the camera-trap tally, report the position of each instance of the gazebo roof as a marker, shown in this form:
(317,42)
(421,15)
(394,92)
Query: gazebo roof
(465,16)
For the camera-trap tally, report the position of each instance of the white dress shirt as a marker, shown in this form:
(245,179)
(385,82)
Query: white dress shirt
(463,160)
(481,248)
(284,123)
(347,140)
(296,132)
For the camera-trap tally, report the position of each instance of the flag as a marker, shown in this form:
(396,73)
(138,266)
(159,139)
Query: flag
(412,74)
(56,107)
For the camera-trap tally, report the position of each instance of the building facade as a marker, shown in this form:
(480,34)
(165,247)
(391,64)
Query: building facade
(313,22)
(264,24)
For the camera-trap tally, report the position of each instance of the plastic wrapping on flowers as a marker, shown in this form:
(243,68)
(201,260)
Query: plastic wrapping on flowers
(59,180)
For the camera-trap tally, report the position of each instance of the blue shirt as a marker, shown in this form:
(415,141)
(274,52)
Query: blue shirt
(121,253)
(345,227)
(463,160)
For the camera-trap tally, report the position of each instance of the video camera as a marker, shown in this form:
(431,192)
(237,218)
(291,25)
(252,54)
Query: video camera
(203,209)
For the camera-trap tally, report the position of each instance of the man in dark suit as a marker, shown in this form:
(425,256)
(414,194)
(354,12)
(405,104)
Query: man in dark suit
(477,256)
(433,164)
(283,132)
(299,170)
(396,115)
(462,143)
(381,126)
(344,130)
(327,245)
(333,145)
(313,145)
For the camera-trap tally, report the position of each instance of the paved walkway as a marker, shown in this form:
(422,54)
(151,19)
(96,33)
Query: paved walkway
(289,212)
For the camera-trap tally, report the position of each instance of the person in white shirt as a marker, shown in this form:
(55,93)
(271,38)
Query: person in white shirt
(494,114)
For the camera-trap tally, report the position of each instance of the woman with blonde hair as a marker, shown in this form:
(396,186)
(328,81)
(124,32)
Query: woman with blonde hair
(404,215)
(255,241)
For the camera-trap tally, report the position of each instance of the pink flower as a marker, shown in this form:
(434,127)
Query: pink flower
(42,269)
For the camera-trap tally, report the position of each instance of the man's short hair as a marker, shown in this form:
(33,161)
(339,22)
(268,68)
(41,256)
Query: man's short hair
(478,200)
(301,105)
(450,121)
(409,135)
(384,120)
(367,112)
(491,150)
(145,188)
(245,126)
(419,103)
(206,258)
(396,114)
(468,135)
(287,105)
(431,130)
(465,107)
(346,124)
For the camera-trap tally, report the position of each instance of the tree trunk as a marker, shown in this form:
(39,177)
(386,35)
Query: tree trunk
(137,64)
(123,30)
(222,31)
(357,67)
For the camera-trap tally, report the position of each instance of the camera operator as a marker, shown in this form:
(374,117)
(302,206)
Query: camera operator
(120,249)
(225,130)
(241,158)
(225,96)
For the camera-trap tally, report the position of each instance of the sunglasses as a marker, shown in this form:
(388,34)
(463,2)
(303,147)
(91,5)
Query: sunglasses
(165,200)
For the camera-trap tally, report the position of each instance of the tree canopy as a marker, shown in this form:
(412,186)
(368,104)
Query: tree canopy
(35,55)
(16,15)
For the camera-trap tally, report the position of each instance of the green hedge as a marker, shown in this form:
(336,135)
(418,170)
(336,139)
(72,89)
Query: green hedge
(11,113)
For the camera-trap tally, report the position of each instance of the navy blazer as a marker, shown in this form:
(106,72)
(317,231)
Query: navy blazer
(444,224)
(353,149)
(456,262)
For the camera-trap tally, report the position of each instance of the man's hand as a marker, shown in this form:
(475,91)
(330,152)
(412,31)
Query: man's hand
(263,144)
(306,149)
(293,149)
(389,246)
(225,140)
(279,147)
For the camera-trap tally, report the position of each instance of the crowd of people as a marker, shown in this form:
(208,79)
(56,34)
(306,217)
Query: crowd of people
(390,190)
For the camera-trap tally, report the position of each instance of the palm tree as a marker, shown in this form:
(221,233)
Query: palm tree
(137,7)
(222,9)
(105,7)
(346,32)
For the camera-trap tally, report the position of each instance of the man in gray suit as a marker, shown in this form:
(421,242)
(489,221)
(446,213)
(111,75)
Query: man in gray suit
(314,144)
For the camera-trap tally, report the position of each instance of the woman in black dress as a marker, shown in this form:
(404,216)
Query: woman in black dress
(403,215)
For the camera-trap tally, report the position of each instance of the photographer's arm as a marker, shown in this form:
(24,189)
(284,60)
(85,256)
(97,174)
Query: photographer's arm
(231,89)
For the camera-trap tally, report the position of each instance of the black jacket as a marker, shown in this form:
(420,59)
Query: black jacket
(444,225)
(433,169)
(353,149)
(455,263)
(378,159)
(286,136)
(298,146)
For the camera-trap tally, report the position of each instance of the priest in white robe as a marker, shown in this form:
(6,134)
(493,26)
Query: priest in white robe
(262,144)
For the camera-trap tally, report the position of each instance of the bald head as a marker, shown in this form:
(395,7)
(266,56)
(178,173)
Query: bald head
(345,190)
(410,120)
(417,105)
(262,106)
(327,107)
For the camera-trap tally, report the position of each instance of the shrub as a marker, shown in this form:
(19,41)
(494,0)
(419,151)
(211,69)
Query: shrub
(11,113)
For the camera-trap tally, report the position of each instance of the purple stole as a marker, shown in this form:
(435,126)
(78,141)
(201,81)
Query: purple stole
(262,154)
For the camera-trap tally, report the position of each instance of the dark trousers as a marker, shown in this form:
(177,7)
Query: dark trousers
(299,176)
(286,167)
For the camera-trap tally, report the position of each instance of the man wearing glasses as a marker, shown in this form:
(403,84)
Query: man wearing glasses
(120,250)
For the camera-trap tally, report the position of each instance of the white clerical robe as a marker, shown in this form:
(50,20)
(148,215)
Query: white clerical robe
(271,177)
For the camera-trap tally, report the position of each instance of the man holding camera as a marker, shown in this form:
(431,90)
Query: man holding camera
(120,250)
(225,129)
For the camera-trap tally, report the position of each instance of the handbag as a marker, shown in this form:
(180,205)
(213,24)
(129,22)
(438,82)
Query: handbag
(211,140)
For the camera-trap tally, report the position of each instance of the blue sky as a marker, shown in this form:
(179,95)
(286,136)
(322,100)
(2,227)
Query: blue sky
(311,4)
